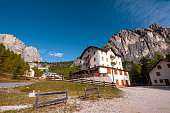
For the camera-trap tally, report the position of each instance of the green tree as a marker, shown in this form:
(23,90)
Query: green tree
(135,73)
(168,57)
(145,67)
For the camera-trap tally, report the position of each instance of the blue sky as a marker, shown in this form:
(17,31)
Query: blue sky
(62,29)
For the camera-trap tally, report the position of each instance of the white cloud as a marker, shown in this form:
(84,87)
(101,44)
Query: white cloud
(144,12)
(42,51)
(56,54)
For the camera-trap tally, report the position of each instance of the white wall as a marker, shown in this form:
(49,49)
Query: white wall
(90,53)
(165,73)
(109,53)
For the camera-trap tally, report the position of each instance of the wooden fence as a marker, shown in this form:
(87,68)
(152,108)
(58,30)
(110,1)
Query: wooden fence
(85,81)
(85,95)
(58,100)
(92,82)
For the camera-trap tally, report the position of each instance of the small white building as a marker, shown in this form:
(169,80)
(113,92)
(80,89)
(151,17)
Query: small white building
(30,73)
(160,73)
(103,62)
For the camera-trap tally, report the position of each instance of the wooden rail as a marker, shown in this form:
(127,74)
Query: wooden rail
(86,81)
(58,100)
(93,82)
(85,95)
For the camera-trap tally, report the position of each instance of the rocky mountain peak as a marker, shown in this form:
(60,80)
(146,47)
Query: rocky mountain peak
(133,45)
(29,54)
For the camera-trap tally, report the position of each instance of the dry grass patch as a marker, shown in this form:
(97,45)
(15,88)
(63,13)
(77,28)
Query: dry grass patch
(19,95)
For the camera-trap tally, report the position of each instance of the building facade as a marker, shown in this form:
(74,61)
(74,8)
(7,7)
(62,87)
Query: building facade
(160,74)
(104,63)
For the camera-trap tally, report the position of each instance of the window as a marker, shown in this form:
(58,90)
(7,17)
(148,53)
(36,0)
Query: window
(161,81)
(108,71)
(155,81)
(88,51)
(115,72)
(115,56)
(120,72)
(94,59)
(168,65)
(89,56)
(94,53)
(106,59)
(102,59)
(158,74)
(116,62)
(119,63)
(101,52)
(117,82)
(125,73)
(122,82)
(102,64)
(106,53)
(159,67)
(107,65)
(118,57)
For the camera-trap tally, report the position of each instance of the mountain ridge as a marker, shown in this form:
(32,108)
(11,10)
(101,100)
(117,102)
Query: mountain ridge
(133,45)
(29,54)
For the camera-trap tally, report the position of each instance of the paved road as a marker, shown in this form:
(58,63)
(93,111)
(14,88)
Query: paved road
(13,84)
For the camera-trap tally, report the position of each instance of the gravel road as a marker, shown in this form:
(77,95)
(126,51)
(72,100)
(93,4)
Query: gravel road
(13,84)
(147,99)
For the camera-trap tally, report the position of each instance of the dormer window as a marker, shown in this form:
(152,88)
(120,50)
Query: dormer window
(88,51)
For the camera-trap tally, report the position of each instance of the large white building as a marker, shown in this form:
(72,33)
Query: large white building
(103,62)
(160,73)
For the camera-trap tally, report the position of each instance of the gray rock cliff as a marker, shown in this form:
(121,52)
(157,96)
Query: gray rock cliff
(133,45)
(29,54)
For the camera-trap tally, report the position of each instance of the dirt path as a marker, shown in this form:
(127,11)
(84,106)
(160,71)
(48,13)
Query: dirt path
(13,84)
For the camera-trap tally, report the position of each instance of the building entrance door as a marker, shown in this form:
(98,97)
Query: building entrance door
(167,82)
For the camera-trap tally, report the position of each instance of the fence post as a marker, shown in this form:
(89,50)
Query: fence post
(85,94)
(91,82)
(36,102)
(66,96)
(98,91)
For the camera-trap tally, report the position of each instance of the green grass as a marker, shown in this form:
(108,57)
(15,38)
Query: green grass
(19,95)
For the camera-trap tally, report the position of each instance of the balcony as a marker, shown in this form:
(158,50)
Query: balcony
(112,57)
(113,63)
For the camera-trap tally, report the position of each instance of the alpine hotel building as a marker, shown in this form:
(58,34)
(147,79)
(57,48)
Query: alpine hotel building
(104,63)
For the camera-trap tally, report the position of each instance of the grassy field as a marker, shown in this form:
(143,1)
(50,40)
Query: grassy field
(8,78)
(19,95)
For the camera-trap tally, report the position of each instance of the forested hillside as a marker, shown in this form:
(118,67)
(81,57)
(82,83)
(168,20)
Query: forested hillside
(63,68)
(11,63)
